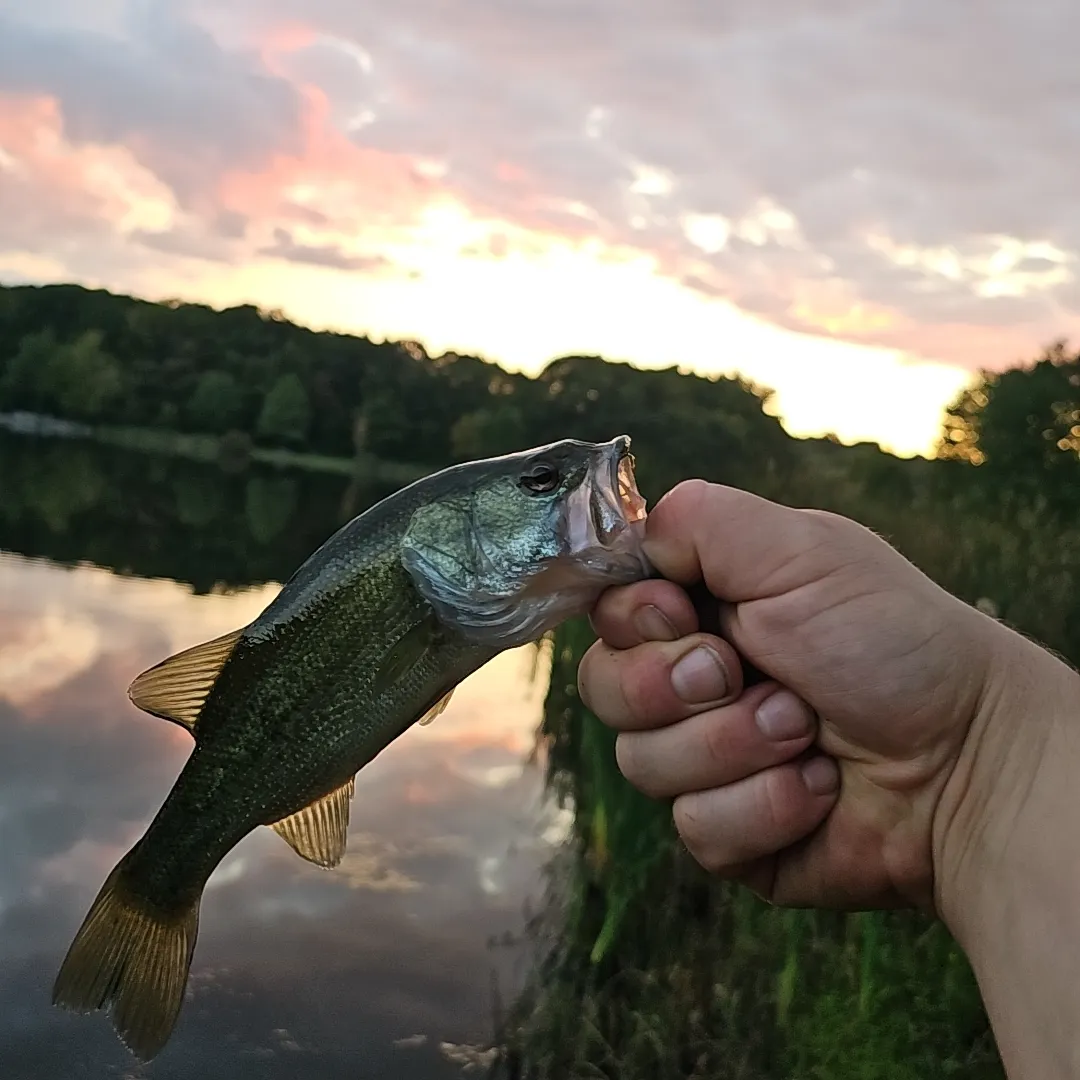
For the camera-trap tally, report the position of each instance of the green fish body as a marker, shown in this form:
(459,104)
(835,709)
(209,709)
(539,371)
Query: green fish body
(371,635)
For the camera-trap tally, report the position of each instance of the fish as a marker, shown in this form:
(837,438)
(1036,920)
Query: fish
(370,635)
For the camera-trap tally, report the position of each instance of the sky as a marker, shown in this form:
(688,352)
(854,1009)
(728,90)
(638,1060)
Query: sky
(858,203)
(381,968)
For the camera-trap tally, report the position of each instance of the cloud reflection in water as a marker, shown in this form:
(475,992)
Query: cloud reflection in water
(377,969)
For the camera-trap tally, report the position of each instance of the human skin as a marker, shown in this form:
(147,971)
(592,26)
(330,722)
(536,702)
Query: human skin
(904,749)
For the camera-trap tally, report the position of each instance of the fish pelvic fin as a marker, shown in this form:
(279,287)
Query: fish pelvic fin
(436,710)
(131,962)
(177,688)
(319,832)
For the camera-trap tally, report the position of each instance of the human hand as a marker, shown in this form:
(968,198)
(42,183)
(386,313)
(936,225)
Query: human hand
(836,781)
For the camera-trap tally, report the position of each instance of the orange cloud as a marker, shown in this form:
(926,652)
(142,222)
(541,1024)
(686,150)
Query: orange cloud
(51,182)
(352,188)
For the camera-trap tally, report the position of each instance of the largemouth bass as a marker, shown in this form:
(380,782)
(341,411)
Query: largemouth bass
(369,636)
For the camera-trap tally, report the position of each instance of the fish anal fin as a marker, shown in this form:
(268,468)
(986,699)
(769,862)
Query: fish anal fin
(437,709)
(177,688)
(318,832)
(132,961)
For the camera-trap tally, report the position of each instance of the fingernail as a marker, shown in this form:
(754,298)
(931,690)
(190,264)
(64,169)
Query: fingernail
(699,676)
(821,776)
(653,625)
(782,716)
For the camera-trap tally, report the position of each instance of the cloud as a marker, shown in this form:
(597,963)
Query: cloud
(285,246)
(898,157)
(162,86)
(898,177)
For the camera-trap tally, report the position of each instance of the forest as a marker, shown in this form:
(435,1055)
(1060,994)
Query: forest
(644,966)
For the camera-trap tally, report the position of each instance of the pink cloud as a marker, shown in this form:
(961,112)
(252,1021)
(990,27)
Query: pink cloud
(336,122)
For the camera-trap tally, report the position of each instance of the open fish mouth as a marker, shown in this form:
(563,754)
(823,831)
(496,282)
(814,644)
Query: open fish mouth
(625,483)
(604,516)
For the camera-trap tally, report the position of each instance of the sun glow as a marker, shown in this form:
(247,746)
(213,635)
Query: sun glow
(547,296)
(403,258)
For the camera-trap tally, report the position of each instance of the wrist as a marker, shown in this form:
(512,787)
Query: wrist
(1006,852)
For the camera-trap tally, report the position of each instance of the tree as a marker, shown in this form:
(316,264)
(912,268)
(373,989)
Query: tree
(24,384)
(215,403)
(496,429)
(83,378)
(1023,424)
(286,412)
(77,379)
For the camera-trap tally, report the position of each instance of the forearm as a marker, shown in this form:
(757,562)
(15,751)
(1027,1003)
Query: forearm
(1009,851)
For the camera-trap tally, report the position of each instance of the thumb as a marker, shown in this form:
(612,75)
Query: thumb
(744,547)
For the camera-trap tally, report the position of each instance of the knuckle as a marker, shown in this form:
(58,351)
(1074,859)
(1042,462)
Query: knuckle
(818,530)
(825,528)
(687,498)
(693,491)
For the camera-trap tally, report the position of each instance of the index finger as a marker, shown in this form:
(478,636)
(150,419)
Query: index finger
(650,610)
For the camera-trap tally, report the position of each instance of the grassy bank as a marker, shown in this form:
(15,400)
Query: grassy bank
(212,448)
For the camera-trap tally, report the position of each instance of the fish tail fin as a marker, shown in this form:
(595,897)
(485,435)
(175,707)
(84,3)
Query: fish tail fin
(132,961)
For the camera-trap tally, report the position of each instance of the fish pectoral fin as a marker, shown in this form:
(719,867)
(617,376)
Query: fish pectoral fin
(319,831)
(406,652)
(177,688)
(436,709)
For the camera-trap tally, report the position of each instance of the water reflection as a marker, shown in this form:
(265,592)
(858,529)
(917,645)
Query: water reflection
(361,971)
(161,517)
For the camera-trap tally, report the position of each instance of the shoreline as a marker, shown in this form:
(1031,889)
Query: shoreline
(212,449)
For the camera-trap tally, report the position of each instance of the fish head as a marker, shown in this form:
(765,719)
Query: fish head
(512,546)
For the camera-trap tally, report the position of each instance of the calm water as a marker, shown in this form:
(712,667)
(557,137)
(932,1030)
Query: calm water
(383,967)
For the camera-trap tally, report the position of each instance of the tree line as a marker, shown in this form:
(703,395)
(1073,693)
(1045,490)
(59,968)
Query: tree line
(101,358)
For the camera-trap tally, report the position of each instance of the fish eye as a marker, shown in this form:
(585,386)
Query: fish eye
(540,478)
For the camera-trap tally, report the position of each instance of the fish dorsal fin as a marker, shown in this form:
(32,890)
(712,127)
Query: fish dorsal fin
(177,688)
(318,832)
(436,709)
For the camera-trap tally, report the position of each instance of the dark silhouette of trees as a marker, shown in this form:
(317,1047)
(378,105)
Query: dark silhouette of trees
(114,360)
(1022,427)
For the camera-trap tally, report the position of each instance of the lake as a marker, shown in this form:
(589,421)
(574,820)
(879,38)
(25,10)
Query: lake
(389,965)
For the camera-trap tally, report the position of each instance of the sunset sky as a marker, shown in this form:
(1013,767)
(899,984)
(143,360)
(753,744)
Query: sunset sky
(855,202)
